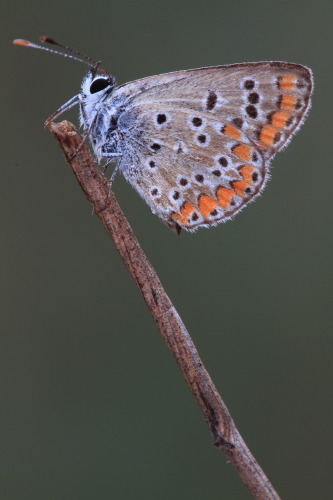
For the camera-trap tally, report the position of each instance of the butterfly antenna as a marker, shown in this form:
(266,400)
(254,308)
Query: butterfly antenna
(95,65)
(51,41)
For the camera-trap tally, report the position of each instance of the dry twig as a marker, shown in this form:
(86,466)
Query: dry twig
(216,414)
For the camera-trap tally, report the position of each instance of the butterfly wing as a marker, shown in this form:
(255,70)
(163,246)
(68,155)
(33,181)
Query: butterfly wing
(197,144)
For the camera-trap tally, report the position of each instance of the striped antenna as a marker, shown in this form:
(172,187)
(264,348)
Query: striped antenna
(82,58)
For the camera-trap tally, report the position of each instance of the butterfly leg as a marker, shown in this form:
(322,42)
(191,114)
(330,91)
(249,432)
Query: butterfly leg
(111,157)
(113,176)
(108,161)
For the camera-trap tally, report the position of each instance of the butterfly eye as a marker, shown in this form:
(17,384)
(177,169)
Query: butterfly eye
(98,85)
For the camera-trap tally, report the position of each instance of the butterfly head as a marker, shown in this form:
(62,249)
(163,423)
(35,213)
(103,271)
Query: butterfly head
(95,88)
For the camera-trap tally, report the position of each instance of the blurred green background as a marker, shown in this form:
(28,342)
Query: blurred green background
(92,404)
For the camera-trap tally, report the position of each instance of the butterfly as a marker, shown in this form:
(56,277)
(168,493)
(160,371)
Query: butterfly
(195,144)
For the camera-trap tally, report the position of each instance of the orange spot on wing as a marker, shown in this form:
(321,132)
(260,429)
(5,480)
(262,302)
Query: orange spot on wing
(267,135)
(246,172)
(288,102)
(242,151)
(206,205)
(187,209)
(232,132)
(224,196)
(185,212)
(279,119)
(287,82)
(239,187)
(179,218)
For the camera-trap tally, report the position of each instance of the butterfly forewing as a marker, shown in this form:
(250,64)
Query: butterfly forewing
(197,144)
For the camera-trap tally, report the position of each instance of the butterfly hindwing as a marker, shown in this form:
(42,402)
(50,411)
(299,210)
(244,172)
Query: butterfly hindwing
(197,143)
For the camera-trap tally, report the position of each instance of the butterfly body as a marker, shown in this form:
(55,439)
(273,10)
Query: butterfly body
(197,144)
